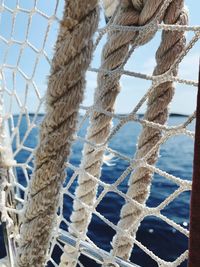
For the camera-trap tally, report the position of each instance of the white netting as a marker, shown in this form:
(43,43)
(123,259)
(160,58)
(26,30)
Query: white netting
(26,50)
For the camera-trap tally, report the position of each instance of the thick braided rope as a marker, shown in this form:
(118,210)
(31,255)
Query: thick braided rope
(73,54)
(114,53)
(172,45)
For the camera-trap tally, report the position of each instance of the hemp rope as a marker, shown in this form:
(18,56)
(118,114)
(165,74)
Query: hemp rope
(66,84)
(109,7)
(171,46)
(114,53)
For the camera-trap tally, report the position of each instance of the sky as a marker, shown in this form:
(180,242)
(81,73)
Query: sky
(132,89)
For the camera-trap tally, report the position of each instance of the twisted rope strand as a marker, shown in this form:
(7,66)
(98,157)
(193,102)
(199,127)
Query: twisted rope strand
(100,125)
(172,45)
(114,54)
(66,84)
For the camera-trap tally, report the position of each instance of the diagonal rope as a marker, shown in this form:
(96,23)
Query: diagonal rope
(72,57)
(172,45)
(114,56)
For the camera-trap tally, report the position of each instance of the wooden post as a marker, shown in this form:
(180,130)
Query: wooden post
(194,241)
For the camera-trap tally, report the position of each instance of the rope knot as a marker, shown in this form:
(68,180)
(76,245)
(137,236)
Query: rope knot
(138,163)
(146,33)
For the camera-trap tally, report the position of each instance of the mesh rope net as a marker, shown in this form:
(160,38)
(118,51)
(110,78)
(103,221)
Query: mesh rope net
(27,51)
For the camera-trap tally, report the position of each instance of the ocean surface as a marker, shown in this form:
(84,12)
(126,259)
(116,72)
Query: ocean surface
(176,157)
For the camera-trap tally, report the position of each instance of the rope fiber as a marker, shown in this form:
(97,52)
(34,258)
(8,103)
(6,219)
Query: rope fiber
(73,52)
(49,199)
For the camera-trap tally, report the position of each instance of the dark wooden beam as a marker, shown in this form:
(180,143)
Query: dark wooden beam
(194,240)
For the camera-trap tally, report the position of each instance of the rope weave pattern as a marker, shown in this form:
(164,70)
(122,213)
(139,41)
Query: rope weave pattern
(72,56)
(100,124)
(113,56)
(6,173)
(112,74)
(172,45)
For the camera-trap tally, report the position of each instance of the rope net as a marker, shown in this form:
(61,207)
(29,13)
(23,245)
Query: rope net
(90,229)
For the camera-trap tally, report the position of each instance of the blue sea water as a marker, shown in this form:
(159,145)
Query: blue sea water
(176,157)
